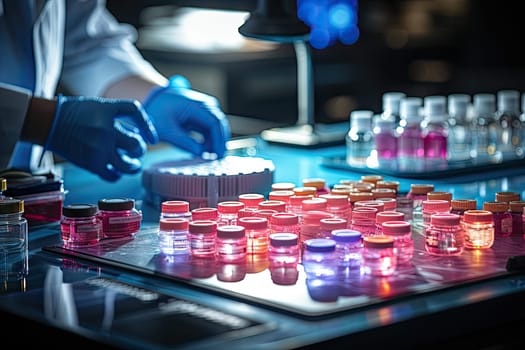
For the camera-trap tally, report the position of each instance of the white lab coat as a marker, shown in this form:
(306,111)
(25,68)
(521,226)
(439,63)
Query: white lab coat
(76,43)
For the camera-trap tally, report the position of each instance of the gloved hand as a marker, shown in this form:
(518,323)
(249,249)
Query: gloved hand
(104,136)
(188,119)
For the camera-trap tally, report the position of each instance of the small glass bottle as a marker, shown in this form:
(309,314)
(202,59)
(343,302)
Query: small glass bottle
(80,225)
(119,217)
(433,206)
(435,129)
(204,213)
(385,138)
(444,236)
(285,222)
(231,244)
(485,128)
(418,193)
(348,247)
(360,138)
(405,205)
(387,216)
(327,225)
(502,217)
(410,146)
(320,260)
(251,200)
(283,256)
(364,220)
(478,226)
(257,234)
(337,205)
(391,105)
(379,258)
(228,212)
(459,206)
(13,240)
(507,116)
(173,236)
(460,133)
(202,235)
(401,232)
(516,210)
(175,209)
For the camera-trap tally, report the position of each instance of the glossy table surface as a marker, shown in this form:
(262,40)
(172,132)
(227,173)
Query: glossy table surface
(125,294)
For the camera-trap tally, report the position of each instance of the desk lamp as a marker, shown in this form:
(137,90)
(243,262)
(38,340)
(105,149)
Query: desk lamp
(277,21)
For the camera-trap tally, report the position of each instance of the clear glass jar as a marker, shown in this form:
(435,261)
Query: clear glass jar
(283,256)
(320,260)
(80,225)
(360,138)
(173,236)
(175,209)
(479,229)
(203,237)
(285,222)
(502,217)
(257,234)
(337,205)
(431,207)
(228,212)
(444,236)
(364,220)
(231,245)
(401,232)
(379,258)
(119,217)
(311,226)
(348,247)
(13,240)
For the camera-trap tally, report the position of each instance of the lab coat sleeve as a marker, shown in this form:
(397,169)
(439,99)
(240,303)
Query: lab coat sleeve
(98,50)
(14,102)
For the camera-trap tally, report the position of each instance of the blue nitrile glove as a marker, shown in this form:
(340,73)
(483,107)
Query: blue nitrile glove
(188,119)
(104,136)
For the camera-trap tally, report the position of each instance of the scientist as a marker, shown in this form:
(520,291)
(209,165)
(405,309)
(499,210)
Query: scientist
(99,124)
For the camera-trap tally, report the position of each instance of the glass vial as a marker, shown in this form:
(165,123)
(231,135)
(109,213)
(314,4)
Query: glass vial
(320,260)
(360,138)
(175,209)
(479,229)
(460,132)
(364,220)
(80,225)
(459,206)
(285,222)
(204,213)
(418,193)
(387,216)
(13,240)
(516,211)
(257,234)
(348,247)
(401,232)
(228,212)
(119,217)
(507,116)
(433,206)
(444,236)
(327,225)
(231,243)
(283,256)
(435,129)
(502,217)
(410,145)
(202,235)
(379,258)
(173,236)
(251,200)
(485,128)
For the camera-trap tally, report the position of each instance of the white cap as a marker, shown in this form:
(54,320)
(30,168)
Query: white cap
(410,108)
(361,119)
(458,104)
(435,107)
(484,104)
(509,101)
(391,101)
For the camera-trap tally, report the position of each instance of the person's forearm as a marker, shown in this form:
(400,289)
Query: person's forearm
(133,87)
(38,121)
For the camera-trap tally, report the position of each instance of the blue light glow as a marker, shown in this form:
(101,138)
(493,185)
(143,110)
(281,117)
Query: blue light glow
(330,21)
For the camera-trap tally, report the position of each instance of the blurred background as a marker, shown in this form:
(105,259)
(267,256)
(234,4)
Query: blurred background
(420,47)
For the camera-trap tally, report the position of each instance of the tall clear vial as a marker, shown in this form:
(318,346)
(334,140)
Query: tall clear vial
(173,236)
(435,129)
(410,145)
(507,115)
(391,101)
(385,138)
(13,240)
(459,130)
(485,128)
(360,138)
